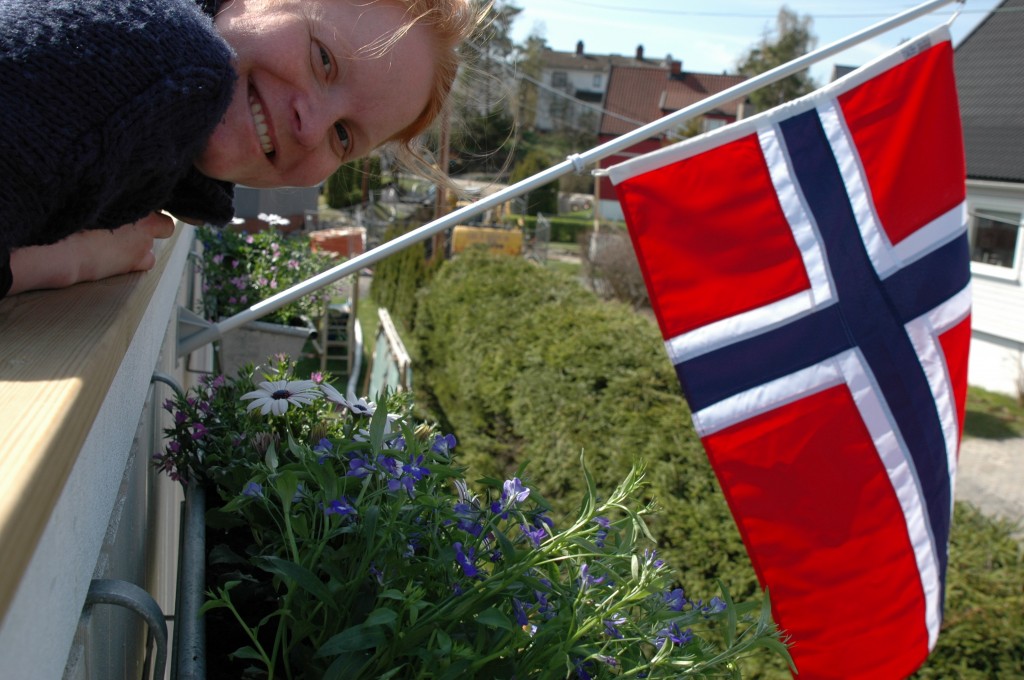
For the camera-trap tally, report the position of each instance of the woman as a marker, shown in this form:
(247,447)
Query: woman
(113,110)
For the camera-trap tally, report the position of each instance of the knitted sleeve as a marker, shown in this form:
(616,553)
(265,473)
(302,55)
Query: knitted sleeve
(103,108)
(5,271)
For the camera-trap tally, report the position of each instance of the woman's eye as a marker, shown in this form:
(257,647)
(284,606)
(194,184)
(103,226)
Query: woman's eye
(325,57)
(343,137)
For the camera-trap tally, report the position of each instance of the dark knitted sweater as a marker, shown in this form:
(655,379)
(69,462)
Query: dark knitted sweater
(104,106)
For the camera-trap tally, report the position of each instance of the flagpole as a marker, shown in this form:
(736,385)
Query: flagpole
(575,163)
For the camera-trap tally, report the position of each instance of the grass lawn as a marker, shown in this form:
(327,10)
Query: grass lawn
(993,416)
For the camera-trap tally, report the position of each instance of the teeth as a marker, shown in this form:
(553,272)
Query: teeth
(261,126)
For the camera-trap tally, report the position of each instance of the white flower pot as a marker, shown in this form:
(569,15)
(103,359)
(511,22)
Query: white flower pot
(257,340)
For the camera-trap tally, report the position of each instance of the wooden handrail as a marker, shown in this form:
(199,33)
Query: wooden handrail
(59,354)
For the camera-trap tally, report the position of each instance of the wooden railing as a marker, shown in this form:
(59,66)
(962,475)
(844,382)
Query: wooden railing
(79,420)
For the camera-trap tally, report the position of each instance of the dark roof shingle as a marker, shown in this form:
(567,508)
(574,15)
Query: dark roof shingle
(990,79)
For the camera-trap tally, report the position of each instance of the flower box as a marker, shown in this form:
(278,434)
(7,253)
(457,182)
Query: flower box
(257,340)
(343,542)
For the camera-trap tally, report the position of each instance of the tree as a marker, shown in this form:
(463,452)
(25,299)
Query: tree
(528,68)
(483,142)
(792,39)
(542,199)
(490,53)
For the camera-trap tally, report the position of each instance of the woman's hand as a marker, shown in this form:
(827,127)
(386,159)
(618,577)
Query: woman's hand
(89,255)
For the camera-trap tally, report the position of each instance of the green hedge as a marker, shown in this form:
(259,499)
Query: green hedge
(344,187)
(527,366)
(397,277)
(983,624)
(563,229)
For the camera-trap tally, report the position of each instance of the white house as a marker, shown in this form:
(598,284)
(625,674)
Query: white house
(573,86)
(990,79)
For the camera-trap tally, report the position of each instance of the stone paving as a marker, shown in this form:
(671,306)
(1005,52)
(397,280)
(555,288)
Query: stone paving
(991,477)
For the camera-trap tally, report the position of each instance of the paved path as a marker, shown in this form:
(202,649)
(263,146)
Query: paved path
(991,477)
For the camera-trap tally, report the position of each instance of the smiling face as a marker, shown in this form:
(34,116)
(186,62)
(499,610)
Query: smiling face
(312,90)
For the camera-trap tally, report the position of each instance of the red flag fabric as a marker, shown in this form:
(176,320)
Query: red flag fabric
(809,270)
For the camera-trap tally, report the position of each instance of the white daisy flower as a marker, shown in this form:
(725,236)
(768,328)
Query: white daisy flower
(333,395)
(361,407)
(275,396)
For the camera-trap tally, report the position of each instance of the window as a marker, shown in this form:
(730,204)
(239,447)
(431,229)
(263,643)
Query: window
(597,81)
(709,124)
(559,79)
(994,237)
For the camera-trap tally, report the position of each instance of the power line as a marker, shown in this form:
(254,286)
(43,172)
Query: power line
(755,15)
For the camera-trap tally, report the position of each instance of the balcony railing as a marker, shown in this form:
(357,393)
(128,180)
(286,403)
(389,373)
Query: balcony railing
(79,420)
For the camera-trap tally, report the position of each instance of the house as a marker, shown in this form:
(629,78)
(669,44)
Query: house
(573,85)
(990,78)
(637,96)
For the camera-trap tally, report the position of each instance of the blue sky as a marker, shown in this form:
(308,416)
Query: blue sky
(711,36)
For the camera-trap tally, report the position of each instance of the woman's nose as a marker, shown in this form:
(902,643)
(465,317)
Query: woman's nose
(311,120)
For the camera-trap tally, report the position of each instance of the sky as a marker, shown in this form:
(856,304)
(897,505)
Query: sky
(711,36)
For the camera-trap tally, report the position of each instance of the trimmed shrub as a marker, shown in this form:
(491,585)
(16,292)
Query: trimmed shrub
(397,278)
(983,624)
(528,366)
(563,229)
(542,199)
(344,187)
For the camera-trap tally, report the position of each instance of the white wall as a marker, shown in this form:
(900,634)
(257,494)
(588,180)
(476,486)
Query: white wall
(997,323)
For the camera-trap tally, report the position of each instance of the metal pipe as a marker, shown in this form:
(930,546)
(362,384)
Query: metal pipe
(576,162)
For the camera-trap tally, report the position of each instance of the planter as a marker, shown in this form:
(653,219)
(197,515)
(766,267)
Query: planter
(257,340)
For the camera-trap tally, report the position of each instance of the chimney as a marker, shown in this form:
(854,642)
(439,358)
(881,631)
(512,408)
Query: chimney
(674,67)
(639,52)
(579,48)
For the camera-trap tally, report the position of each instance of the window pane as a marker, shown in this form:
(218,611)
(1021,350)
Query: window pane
(994,237)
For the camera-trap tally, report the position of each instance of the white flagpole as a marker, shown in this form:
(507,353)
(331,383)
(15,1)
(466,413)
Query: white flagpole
(575,163)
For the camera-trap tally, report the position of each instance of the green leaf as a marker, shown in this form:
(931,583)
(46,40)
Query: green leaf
(271,457)
(346,666)
(210,605)
(382,617)
(286,485)
(495,619)
(391,673)
(444,642)
(299,575)
(393,594)
(730,611)
(377,424)
(457,670)
(246,652)
(354,639)
(590,499)
(222,554)
(294,447)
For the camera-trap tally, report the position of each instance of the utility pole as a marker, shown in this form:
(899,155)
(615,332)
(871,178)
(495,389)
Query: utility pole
(441,197)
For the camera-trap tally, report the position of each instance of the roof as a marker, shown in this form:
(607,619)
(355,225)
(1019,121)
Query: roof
(572,61)
(644,95)
(990,79)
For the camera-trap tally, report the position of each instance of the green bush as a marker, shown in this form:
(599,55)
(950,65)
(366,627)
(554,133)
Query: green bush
(529,366)
(397,278)
(344,187)
(563,229)
(542,199)
(983,625)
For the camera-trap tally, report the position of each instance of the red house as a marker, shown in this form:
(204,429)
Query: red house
(637,96)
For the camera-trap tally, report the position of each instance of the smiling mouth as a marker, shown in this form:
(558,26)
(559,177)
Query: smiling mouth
(260,121)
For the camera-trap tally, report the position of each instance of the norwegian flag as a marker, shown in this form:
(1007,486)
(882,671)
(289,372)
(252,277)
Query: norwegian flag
(809,270)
